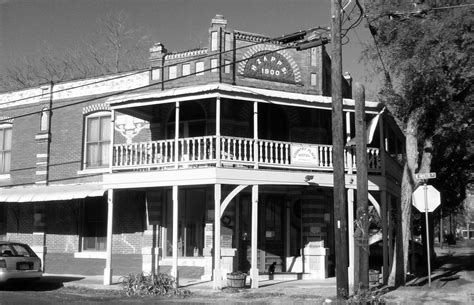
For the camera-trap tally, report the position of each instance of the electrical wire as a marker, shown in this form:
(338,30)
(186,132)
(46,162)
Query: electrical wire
(5,120)
(128,74)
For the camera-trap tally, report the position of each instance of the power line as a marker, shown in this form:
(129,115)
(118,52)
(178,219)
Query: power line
(146,86)
(265,40)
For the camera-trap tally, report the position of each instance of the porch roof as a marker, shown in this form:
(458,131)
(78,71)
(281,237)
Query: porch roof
(209,90)
(50,193)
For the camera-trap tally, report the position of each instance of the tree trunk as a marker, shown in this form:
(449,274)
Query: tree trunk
(399,268)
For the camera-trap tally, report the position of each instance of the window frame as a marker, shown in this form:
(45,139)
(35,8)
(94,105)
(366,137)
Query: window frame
(3,150)
(199,69)
(101,142)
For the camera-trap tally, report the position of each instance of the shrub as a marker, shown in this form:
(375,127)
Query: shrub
(162,284)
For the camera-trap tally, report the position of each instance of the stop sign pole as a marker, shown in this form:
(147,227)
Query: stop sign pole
(425,177)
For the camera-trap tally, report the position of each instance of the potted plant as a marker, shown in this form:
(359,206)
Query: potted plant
(236,279)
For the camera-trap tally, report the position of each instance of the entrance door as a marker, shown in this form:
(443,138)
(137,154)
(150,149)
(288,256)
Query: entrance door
(273,232)
(271,247)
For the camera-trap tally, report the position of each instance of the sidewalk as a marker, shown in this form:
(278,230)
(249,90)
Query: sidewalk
(452,282)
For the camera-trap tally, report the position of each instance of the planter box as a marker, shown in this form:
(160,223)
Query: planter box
(236,280)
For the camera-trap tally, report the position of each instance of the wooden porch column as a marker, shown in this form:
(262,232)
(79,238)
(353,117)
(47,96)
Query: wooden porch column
(218,131)
(350,228)
(350,203)
(254,240)
(174,265)
(110,218)
(384,219)
(255,134)
(112,133)
(176,137)
(383,147)
(217,282)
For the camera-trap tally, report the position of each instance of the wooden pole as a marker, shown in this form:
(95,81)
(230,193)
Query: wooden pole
(362,188)
(340,213)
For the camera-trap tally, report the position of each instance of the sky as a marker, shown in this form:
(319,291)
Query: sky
(179,24)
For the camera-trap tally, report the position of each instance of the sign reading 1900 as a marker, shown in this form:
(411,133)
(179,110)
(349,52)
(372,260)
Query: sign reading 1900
(272,67)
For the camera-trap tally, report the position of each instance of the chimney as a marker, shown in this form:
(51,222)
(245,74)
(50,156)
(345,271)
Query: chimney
(157,52)
(218,21)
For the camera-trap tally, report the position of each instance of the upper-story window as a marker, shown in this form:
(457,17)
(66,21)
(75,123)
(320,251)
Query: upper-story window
(227,66)
(214,65)
(97,140)
(186,69)
(5,147)
(200,68)
(214,41)
(227,42)
(313,57)
(172,72)
(44,119)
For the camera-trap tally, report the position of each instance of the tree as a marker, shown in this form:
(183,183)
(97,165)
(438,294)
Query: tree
(117,46)
(425,58)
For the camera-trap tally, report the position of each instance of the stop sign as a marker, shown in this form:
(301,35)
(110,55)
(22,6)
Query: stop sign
(432,197)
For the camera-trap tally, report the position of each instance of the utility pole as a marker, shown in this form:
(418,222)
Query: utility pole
(362,231)
(340,211)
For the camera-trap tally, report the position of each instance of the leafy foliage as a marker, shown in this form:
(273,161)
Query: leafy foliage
(367,296)
(161,284)
(431,70)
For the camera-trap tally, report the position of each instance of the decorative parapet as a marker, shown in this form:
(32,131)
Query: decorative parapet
(76,89)
(185,54)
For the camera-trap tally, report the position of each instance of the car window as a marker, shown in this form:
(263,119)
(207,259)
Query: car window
(5,250)
(21,250)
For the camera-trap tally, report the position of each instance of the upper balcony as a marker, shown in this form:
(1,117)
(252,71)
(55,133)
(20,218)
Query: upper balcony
(230,126)
(224,151)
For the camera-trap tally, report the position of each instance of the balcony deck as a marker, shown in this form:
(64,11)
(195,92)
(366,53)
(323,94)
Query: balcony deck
(224,151)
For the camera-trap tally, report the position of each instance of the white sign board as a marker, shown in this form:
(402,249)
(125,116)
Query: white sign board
(304,155)
(425,176)
(433,198)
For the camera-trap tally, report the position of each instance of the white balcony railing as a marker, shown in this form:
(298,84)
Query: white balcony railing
(201,151)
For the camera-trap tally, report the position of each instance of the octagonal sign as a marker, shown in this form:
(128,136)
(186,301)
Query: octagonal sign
(432,195)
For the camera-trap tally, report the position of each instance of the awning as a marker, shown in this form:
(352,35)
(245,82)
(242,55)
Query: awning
(50,193)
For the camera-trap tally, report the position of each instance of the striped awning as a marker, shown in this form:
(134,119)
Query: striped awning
(50,193)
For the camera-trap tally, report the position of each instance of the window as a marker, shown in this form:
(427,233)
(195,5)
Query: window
(94,230)
(156,74)
(227,42)
(313,79)
(172,72)
(97,140)
(5,147)
(44,119)
(213,41)
(226,66)
(312,57)
(186,69)
(214,65)
(200,68)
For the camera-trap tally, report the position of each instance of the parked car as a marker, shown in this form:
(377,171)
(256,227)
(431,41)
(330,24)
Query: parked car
(18,262)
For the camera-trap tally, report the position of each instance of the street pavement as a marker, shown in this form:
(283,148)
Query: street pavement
(452,282)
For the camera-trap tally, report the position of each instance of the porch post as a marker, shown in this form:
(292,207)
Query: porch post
(350,227)
(383,214)
(253,267)
(255,134)
(174,265)
(383,147)
(350,203)
(110,218)
(176,137)
(217,237)
(112,139)
(218,131)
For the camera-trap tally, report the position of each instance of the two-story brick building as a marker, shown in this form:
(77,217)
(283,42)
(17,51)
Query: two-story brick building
(145,169)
